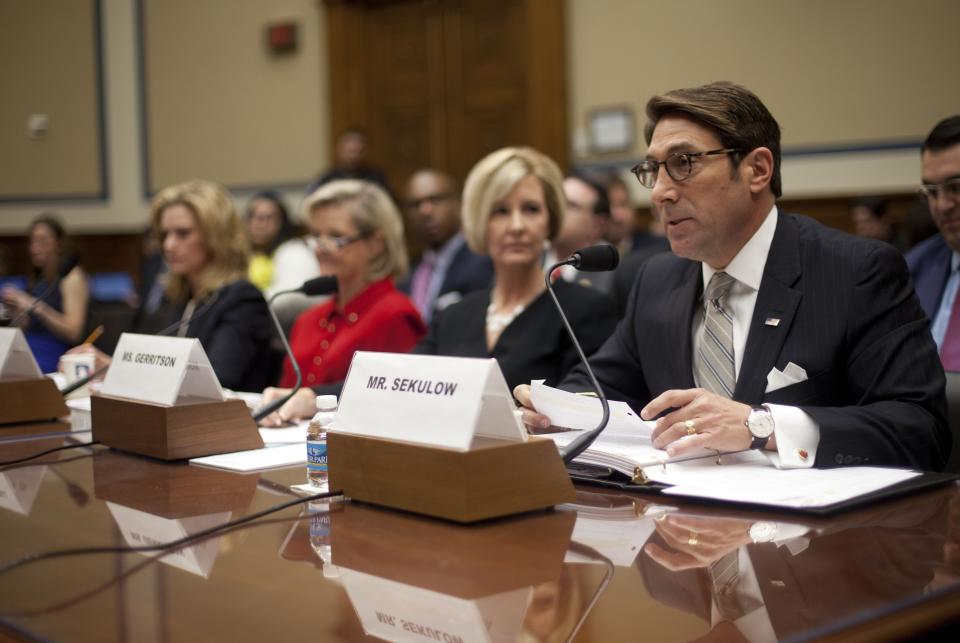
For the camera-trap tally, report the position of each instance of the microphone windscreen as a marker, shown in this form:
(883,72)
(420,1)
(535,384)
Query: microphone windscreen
(597,258)
(325,285)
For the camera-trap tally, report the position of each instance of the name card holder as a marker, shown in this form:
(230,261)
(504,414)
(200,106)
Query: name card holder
(27,395)
(438,436)
(162,399)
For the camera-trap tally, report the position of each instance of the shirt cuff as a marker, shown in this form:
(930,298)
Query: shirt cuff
(797,435)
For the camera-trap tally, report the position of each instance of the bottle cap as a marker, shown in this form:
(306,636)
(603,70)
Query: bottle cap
(325,402)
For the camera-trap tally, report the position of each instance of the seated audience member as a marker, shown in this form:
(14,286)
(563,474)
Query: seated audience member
(206,251)
(448,270)
(871,219)
(621,227)
(268,226)
(761,329)
(630,265)
(350,162)
(56,298)
(359,238)
(513,205)
(584,224)
(934,263)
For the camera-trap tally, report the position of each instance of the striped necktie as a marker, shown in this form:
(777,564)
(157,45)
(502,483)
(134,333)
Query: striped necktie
(714,366)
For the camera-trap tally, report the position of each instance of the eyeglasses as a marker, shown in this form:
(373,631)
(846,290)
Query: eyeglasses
(431,199)
(335,242)
(949,188)
(679,166)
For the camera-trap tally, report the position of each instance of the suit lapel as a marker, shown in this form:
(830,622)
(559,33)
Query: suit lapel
(930,287)
(777,302)
(680,304)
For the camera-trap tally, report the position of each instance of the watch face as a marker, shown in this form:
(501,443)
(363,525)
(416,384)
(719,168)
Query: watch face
(760,423)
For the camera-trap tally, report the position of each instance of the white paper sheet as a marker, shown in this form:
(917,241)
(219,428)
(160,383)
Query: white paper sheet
(257,459)
(582,412)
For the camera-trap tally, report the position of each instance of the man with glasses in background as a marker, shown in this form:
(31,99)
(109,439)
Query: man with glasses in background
(762,329)
(935,263)
(448,269)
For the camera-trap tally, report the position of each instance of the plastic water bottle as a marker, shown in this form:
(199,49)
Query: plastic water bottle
(317,440)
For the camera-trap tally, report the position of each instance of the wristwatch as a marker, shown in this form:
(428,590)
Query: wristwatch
(760,425)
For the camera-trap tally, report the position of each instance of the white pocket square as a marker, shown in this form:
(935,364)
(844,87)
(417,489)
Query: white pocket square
(791,374)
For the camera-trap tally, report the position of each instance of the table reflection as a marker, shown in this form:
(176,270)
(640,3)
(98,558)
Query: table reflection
(753,579)
(156,502)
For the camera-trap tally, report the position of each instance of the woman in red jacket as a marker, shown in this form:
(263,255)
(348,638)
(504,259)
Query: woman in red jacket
(358,233)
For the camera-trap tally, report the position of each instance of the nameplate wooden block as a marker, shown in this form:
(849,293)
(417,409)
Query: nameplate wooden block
(495,478)
(188,430)
(30,400)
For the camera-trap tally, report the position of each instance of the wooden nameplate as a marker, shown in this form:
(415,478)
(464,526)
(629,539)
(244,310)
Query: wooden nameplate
(29,400)
(496,478)
(185,430)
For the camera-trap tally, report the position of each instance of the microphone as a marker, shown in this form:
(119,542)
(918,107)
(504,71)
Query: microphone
(593,259)
(172,329)
(68,264)
(325,285)
(599,258)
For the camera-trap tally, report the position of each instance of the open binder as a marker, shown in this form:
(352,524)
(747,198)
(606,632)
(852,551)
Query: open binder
(607,465)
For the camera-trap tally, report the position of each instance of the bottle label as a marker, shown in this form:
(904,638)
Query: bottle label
(317,456)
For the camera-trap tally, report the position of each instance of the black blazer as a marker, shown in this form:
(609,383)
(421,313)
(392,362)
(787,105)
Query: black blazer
(847,315)
(235,332)
(535,345)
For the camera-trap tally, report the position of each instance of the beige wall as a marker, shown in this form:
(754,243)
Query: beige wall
(221,106)
(834,72)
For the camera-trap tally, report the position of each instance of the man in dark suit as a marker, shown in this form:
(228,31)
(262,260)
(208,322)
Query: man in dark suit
(934,263)
(761,329)
(448,270)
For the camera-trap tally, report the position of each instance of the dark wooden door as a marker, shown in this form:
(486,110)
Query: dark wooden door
(440,83)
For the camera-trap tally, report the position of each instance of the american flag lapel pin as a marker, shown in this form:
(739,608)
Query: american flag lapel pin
(772,321)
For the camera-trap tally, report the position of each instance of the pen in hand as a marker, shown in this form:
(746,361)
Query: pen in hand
(93,336)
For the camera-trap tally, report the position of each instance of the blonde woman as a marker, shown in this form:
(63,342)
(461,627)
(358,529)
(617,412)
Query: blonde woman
(359,238)
(513,205)
(206,249)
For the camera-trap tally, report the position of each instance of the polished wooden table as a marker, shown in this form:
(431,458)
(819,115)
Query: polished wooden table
(611,567)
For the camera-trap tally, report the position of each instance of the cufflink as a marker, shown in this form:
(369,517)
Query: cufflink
(802,453)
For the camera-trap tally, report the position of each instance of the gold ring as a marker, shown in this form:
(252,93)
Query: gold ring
(691,429)
(692,540)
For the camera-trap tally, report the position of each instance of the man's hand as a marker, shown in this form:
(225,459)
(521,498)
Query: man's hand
(700,419)
(534,421)
(302,405)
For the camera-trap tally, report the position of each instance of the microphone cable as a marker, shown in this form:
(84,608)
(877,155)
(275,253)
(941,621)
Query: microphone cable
(170,545)
(593,259)
(325,285)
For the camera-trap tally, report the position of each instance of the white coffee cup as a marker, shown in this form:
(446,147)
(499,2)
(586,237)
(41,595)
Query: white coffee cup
(77,366)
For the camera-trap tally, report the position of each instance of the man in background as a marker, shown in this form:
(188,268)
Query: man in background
(448,269)
(350,162)
(584,224)
(934,263)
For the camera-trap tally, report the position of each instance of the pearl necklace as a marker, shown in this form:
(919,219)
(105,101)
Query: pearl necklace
(496,322)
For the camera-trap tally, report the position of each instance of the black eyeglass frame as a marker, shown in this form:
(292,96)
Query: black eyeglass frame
(653,167)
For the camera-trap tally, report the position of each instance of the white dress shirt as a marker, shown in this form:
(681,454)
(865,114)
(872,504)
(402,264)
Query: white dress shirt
(795,431)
